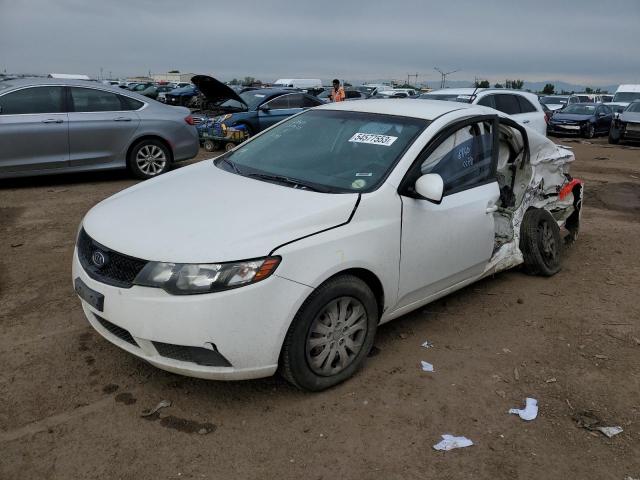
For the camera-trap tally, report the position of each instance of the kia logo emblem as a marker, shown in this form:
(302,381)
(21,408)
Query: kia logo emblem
(99,259)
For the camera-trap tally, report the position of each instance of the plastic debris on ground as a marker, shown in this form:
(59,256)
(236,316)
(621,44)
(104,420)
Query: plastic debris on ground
(530,411)
(610,431)
(590,421)
(449,442)
(161,404)
(427,344)
(426,366)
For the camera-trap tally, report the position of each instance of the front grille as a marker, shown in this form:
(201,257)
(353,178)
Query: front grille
(118,270)
(115,330)
(201,356)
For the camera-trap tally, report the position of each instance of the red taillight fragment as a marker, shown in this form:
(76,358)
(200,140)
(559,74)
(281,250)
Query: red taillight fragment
(189,119)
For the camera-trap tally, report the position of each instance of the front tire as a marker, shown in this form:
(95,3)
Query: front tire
(148,159)
(331,335)
(540,243)
(614,136)
(591,131)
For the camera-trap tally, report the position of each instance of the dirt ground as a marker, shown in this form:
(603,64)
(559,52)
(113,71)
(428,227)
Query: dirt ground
(70,402)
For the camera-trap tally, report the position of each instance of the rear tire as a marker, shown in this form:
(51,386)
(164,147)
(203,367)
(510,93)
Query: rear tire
(148,159)
(331,335)
(210,145)
(540,243)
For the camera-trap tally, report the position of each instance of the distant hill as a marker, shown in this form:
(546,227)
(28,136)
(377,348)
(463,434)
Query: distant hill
(533,86)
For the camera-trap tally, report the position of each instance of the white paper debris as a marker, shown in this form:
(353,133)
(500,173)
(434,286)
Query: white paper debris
(530,411)
(427,344)
(610,431)
(449,442)
(426,366)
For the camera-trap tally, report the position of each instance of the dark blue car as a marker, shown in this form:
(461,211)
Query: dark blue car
(252,110)
(584,119)
(181,96)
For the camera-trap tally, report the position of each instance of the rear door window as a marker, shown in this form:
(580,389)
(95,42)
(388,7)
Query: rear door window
(33,100)
(92,100)
(525,105)
(129,103)
(507,103)
(487,101)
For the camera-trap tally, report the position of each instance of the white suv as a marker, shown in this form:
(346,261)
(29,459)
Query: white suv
(524,107)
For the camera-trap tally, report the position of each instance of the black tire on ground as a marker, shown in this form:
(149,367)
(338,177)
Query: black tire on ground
(149,158)
(590,132)
(540,243)
(229,146)
(338,321)
(210,145)
(614,136)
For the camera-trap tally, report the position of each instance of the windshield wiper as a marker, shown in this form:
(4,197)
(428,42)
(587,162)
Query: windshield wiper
(294,182)
(235,168)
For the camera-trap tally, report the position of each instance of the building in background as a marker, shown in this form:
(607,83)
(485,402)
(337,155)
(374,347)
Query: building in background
(172,77)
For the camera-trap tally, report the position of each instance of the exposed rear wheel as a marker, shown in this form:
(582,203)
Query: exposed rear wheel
(540,243)
(331,335)
(210,145)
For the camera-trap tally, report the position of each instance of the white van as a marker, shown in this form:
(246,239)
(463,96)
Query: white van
(298,82)
(625,94)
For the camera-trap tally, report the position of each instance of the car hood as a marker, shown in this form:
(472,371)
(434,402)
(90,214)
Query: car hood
(555,106)
(215,91)
(570,117)
(202,214)
(633,117)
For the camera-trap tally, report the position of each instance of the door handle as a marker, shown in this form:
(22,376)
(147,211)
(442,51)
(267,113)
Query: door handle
(526,121)
(52,120)
(492,209)
(122,119)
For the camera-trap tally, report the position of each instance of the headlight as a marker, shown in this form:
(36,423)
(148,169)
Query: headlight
(192,278)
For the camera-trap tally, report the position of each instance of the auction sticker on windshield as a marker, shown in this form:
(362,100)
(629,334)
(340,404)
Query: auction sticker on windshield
(373,139)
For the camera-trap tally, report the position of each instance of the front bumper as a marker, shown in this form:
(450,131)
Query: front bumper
(246,325)
(561,129)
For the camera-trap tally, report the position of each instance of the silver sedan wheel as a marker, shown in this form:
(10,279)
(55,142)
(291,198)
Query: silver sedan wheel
(151,160)
(336,336)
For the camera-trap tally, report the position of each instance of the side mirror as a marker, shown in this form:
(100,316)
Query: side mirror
(430,186)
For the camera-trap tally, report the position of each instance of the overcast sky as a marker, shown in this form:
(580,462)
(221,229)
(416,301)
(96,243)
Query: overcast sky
(590,42)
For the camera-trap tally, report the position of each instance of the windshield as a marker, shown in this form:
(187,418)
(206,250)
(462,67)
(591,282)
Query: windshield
(578,109)
(626,96)
(447,97)
(634,107)
(553,100)
(252,99)
(335,151)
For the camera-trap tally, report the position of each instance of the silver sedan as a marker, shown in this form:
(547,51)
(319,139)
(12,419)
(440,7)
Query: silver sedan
(54,126)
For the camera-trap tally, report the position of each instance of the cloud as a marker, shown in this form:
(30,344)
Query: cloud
(589,41)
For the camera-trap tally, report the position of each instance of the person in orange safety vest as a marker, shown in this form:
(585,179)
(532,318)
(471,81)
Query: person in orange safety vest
(337,93)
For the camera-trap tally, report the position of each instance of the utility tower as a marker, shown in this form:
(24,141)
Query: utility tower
(443,76)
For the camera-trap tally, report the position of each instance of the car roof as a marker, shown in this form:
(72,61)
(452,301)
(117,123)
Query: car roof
(35,81)
(404,107)
(470,90)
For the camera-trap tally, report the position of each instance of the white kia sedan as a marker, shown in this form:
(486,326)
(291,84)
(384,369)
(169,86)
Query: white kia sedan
(288,252)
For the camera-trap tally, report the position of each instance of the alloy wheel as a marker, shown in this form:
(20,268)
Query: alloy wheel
(151,160)
(547,242)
